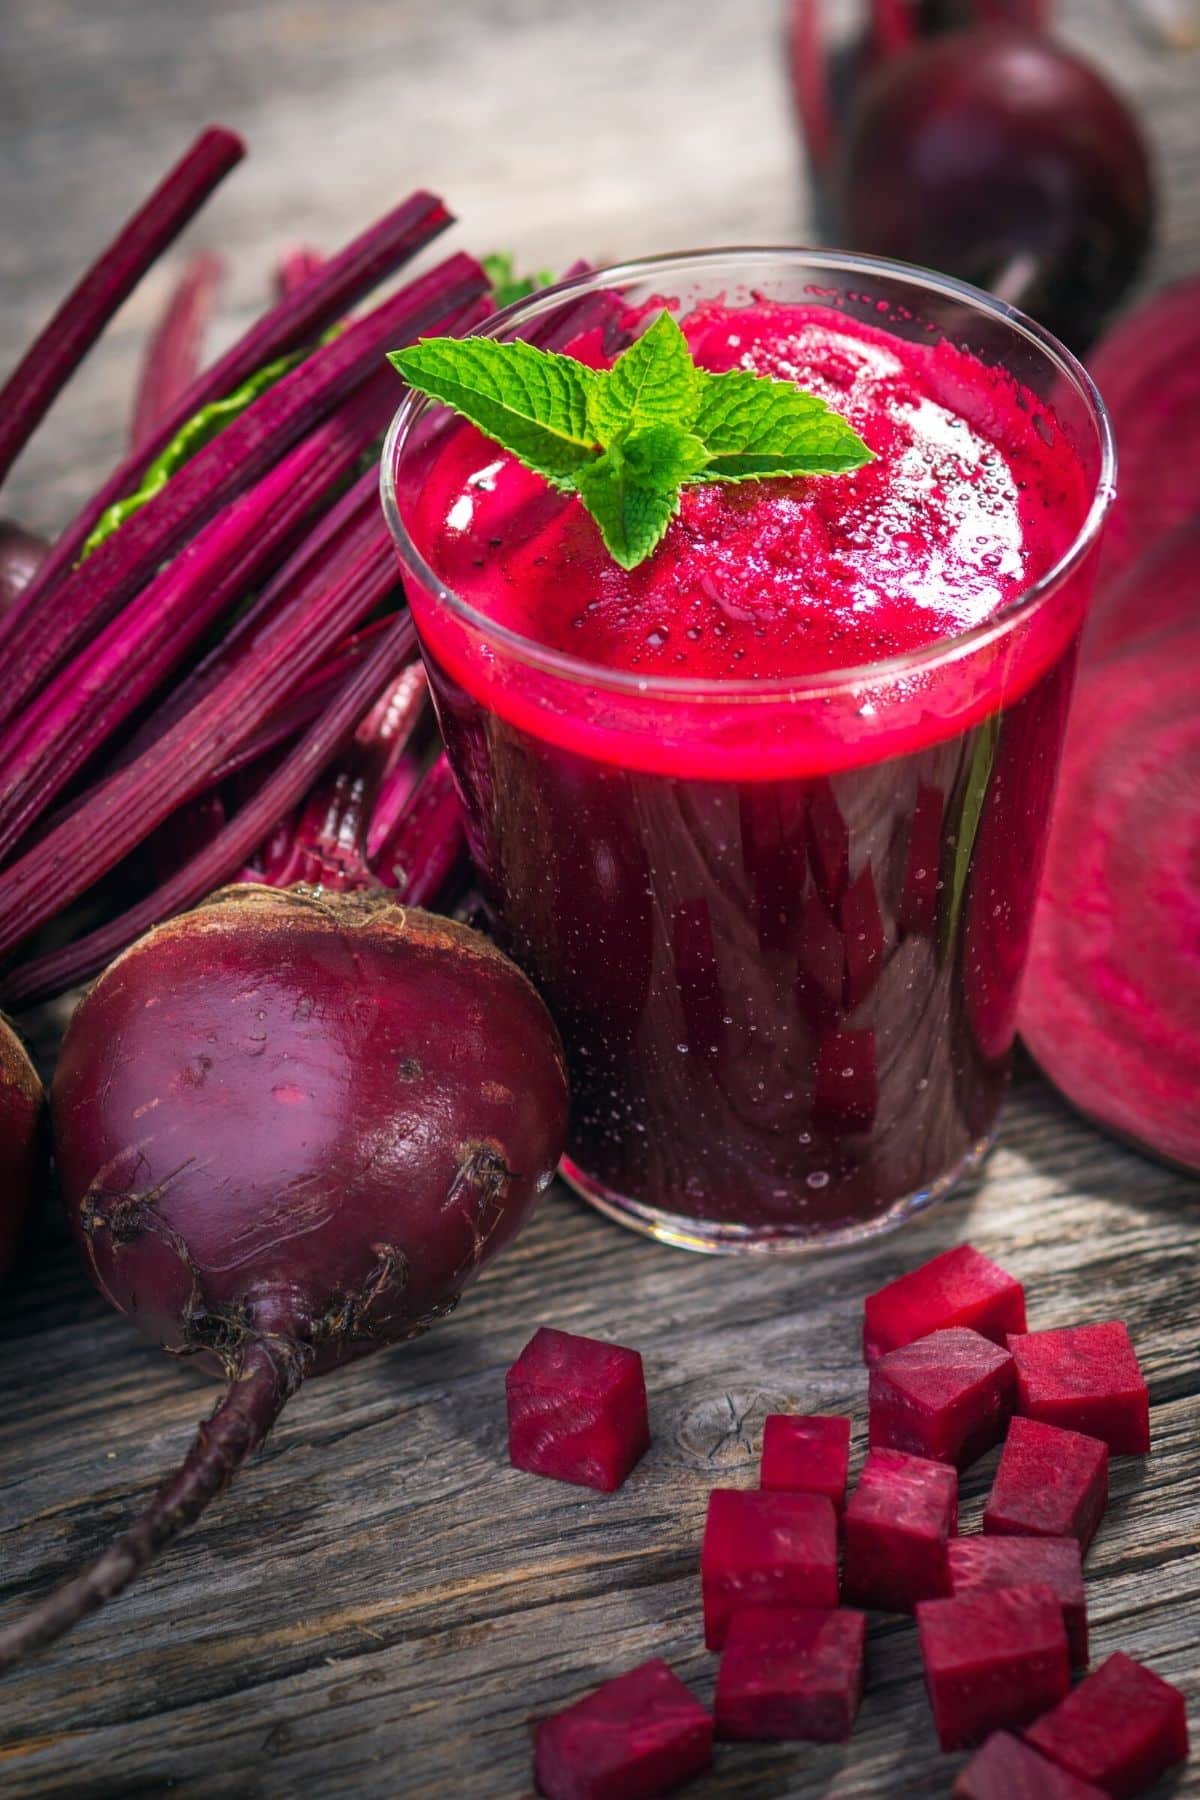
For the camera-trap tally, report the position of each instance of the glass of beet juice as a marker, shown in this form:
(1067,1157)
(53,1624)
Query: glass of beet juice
(764,817)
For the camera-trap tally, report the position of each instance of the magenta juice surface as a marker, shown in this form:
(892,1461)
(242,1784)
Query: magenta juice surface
(779,916)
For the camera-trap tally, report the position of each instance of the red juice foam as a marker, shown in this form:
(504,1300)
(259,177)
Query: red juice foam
(780,918)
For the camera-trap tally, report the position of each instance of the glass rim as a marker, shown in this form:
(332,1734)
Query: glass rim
(567,667)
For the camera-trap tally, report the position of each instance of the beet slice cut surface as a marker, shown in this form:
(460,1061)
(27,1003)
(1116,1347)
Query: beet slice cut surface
(1085,1378)
(1049,1483)
(960,1287)
(788,1675)
(638,1735)
(899,1520)
(806,1454)
(766,1550)
(1110,1007)
(1007,1769)
(1056,1563)
(577,1409)
(994,1658)
(949,1397)
(1121,1729)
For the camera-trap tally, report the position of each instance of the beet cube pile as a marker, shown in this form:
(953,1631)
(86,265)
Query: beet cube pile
(1001,1615)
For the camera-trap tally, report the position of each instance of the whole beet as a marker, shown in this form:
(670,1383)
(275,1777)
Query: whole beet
(22,1104)
(290,1128)
(997,156)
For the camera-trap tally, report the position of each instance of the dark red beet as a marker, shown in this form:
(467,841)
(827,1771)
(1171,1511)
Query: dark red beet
(949,1397)
(1007,1769)
(1121,1729)
(577,1410)
(22,1144)
(788,1675)
(765,1550)
(1111,1002)
(1049,1483)
(1056,1563)
(806,1455)
(960,1287)
(899,1520)
(995,155)
(995,1658)
(1148,369)
(637,1736)
(1085,1378)
(21,556)
(327,1113)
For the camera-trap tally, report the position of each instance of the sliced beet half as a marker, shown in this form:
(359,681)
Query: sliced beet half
(1111,1004)
(1148,370)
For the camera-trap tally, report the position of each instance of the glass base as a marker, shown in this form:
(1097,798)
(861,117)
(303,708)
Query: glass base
(716,1237)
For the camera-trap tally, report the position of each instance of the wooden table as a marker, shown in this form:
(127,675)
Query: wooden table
(381,1604)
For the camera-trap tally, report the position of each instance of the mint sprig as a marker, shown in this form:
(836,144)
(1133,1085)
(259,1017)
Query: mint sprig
(627,439)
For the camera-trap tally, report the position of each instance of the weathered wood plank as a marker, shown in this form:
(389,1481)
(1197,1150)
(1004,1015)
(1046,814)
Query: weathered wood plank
(381,1603)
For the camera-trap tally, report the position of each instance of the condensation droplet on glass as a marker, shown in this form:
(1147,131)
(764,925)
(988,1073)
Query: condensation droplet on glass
(818,1179)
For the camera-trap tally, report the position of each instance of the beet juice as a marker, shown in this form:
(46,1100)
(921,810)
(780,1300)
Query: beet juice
(764,816)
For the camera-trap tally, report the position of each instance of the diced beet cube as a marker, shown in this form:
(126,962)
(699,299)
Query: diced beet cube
(959,1287)
(806,1454)
(1056,1563)
(1121,1728)
(1007,1769)
(898,1522)
(577,1409)
(638,1735)
(1085,1378)
(1049,1483)
(791,1674)
(993,1659)
(767,1550)
(948,1397)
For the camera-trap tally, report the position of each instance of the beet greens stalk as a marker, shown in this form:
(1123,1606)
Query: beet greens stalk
(229,849)
(295,268)
(290,325)
(123,665)
(175,351)
(61,346)
(428,844)
(87,599)
(123,811)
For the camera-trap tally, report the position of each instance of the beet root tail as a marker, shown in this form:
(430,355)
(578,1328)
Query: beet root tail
(269,1374)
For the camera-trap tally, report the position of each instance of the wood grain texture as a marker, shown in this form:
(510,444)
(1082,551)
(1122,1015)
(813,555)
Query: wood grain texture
(381,1605)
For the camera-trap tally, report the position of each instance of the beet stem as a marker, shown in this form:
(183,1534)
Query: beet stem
(225,854)
(295,321)
(174,353)
(62,344)
(217,474)
(270,1371)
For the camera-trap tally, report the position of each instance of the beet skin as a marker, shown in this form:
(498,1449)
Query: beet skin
(292,1127)
(21,1142)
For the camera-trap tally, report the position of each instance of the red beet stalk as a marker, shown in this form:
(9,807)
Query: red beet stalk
(217,474)
(297,319)
(295,267)
(62,344)
(175,351)
(327,845)
(124,810)
(428,843)
(226,852)
(117,672)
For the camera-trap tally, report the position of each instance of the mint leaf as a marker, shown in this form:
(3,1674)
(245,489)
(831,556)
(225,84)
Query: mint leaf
(533,402)
(632,515)
(626,439)
(755,427)
(655,381)
(507,285)
(192,435)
